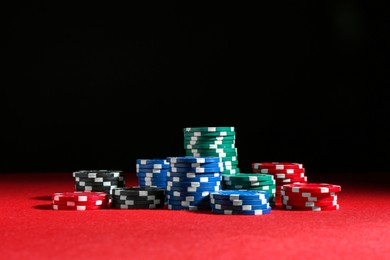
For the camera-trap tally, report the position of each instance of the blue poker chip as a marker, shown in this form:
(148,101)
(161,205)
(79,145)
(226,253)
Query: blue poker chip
(152,161)
(152,183)
(146,170)
(193,174)
(196,165)
(240,202)
(241,212)
(238,194)
(196,179)
(242,207)
(189,203)
(195,170)
(151,175)
(190,208)
(194,159)
(189,198)
(163,178)
(194,184)
(194,189)
(152,166)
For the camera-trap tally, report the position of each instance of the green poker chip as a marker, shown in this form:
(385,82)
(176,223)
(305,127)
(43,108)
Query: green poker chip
(221,133)
(209,129)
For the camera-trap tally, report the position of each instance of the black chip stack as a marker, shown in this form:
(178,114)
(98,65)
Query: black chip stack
(98,180)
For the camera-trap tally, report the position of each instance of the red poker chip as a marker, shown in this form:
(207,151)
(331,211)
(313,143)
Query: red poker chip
(311,187)
(291,180)
(288,176)
(309,199)
(309,203)
(299,208)
(79,196)
(275,171)
(77,208)
(277,165)
(306,194)
(102,202)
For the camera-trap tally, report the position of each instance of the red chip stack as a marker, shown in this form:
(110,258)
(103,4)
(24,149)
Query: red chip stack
(283,172)
(80,200)
(310,196)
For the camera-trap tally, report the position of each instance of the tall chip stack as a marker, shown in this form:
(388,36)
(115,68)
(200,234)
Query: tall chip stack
(251,181)
(98,180)
(190,181)
(152,172)
(213,141)
(283,172)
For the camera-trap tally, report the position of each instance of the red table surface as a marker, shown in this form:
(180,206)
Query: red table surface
(360,229)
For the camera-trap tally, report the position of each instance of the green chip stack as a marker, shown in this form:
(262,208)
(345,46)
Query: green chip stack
(213,141)
(251,181)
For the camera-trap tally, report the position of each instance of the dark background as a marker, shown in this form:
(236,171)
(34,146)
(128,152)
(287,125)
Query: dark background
(99,85)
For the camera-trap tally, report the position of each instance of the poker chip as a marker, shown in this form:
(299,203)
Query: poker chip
(193,159)
(302,208)
(242,202)
(241,212)
(138,191)
(277,165)
(97,173)
(240,207)
(308,199)
(313,188)
(77,208)
(209,129)
(238,194)
(81,203)
(306,194)
(309,203)
(189,208)
(79,196)
(139,206)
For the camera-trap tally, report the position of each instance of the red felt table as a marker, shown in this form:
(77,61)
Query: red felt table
(29,229)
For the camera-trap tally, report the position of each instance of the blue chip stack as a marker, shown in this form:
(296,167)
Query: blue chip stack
(236,202)
(190,181)
(152,172)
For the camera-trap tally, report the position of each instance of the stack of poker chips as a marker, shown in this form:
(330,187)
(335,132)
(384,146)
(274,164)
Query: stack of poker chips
(283,172)
(80,201)
(213,141)
(310,196)
(240,202)
(98,180)
(190,181)
(138,198)
(254,181)
(152,172)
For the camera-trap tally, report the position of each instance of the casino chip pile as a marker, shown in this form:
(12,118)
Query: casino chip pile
(213,141)
(98,180)
(80,201)
(240,202)
(283,172)
(310,196)
(138,198)
(190,181)
(152,172)
(254,181)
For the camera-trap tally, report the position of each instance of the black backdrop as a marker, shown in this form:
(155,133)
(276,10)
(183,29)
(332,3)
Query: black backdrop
(99,85)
